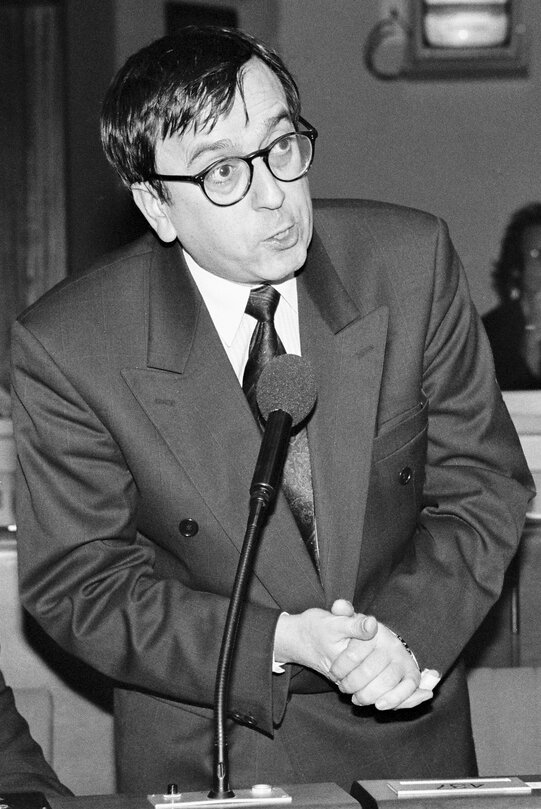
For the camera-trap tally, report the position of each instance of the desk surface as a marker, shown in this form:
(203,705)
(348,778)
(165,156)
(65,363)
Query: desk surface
(311,796)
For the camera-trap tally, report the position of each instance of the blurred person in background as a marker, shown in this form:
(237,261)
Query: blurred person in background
(514,325)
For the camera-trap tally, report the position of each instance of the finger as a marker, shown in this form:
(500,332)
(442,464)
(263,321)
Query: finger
(343,607)
(429,679)
(365,627)
(385,684)
(419,696)
(358,665)
(387,699)
(360,630)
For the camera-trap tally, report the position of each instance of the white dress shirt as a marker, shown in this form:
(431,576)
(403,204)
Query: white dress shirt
(226,301)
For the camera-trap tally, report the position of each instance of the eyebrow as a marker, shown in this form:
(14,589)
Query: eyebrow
(226,143)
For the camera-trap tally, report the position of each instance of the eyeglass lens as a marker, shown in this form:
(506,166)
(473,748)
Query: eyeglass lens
(288,159)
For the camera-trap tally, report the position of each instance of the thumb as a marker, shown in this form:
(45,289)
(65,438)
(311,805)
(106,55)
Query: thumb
(365,627)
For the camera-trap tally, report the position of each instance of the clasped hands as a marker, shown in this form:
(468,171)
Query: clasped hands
(363,657)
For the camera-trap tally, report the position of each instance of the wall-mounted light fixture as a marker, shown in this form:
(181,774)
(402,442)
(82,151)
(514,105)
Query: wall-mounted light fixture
(450,39)
(466,24)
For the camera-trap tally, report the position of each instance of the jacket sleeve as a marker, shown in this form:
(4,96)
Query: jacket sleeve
(476,488)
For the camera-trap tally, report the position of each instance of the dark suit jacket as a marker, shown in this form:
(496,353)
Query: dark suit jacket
(22,765)
(130,421)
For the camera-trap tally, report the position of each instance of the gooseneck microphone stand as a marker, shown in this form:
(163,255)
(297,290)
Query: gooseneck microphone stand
(262,493)
(286,394)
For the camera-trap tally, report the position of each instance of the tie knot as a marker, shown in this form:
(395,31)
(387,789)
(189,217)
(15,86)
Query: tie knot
(262,303)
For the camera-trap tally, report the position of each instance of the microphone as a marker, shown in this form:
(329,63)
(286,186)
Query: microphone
(286,395)
(287,383)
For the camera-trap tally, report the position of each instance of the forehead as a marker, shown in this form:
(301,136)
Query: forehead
(259,105)
(258,90)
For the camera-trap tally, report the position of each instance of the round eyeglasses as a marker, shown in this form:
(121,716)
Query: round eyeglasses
(228,180)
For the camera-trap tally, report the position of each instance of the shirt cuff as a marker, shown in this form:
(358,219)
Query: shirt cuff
(278,668)
(429,679)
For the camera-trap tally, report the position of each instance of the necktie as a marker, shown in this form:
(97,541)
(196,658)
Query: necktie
(297,476)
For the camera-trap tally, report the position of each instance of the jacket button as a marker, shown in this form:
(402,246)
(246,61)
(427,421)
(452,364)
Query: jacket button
(188,528)
(244,719)
(405,476)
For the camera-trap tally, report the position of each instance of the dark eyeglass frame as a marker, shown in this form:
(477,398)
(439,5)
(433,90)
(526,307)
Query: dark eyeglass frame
(199,179)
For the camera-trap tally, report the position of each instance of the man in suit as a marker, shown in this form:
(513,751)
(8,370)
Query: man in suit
(23,767)
(137,446)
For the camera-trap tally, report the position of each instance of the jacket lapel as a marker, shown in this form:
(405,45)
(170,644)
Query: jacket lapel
(192,396)
(346,349)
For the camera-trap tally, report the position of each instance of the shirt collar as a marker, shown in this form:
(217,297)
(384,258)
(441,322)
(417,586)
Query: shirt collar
(226,300)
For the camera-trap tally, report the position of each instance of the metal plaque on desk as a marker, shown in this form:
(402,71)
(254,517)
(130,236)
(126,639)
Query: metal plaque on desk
(508,792)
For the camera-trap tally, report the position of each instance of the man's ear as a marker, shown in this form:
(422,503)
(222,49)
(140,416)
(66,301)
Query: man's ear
(154,210)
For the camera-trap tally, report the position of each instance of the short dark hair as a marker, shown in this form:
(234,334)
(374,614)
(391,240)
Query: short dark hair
(187,78)
(508,269)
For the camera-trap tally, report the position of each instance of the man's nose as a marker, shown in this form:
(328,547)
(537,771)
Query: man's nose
(266,189)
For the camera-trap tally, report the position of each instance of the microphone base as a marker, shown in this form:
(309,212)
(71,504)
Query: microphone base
(258,795)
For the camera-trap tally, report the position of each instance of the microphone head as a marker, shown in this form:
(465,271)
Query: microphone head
(287,383)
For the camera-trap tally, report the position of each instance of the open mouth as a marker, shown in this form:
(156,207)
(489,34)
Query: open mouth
(287,236)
